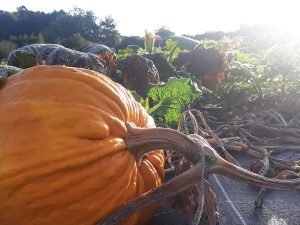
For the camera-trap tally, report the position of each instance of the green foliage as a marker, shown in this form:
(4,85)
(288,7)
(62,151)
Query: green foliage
(210,44)
(109,34)
(123,53)
(143,102)
(5,48)
(246,58)
(172,49)
(284,61)
(3,62)
(26,39)
(243,84)
(64,25)
(170,45)
(23,21)
(76,41)
(272,72)
(170,99)
(169,52)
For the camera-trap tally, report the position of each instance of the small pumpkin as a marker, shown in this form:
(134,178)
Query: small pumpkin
(63,159)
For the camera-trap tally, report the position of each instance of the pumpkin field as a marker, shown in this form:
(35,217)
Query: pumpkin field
(135,135)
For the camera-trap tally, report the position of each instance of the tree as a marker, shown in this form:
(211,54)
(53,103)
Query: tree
(109,34)
(23,22)
(8,23)
(76,21)
(25,27)
(87,23)
(30,22)
(164,32)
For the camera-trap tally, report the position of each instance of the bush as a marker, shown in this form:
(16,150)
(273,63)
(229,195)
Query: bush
(76,41)
(6,47)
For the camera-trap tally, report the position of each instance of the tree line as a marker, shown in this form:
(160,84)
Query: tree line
(75,29)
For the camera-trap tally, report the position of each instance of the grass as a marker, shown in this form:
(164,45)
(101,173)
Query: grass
(3,62)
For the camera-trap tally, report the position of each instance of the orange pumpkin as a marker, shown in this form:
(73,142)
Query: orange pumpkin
(63,159)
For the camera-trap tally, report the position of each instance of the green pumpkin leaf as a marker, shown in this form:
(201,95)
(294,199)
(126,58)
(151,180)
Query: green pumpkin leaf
(172,98)
(138,98)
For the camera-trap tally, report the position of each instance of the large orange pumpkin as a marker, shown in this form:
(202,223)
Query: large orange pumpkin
(63,159)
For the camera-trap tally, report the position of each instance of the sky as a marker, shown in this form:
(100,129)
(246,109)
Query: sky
(180,16)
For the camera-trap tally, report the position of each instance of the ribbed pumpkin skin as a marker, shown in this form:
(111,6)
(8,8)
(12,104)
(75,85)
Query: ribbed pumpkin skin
(63,160)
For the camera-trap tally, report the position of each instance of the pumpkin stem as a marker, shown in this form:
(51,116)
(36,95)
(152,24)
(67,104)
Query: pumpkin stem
(140,141)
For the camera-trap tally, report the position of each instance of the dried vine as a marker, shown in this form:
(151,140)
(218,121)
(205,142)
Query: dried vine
(195,148)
